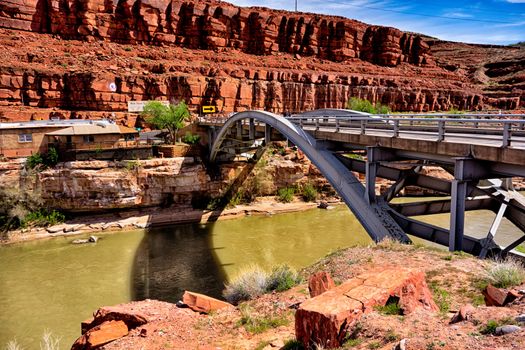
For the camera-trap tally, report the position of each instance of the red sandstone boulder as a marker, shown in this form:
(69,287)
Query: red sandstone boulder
(118,313)
(203,303)
(102,334)
(326,318)
(498,297)
(464,314)
(320,282)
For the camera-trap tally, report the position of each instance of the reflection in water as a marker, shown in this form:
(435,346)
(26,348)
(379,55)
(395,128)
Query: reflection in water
(173,259)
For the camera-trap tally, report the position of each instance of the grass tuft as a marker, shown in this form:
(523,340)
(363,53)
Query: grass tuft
(49,341)
(309,193)
(256,324)
(286,194)
(248,284)
(506,273)
(253,281)
(13,345)
(390,308)
(283,277)
(293,344)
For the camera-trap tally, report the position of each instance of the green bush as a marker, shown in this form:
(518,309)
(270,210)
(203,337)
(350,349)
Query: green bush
(191,139)
(282,277)
(49,159)
(293,344)
(309,193)
(361,105)
(286,194)
(171,117)
(43,218)
(506,273)
(34,160)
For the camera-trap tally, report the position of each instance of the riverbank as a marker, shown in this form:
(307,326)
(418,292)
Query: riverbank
(156,217)
(267,322)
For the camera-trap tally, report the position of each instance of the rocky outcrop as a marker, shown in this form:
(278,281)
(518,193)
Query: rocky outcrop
(325,320)
(87,186)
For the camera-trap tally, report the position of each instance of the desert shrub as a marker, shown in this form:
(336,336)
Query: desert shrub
(248,284)
(190,138)
(293,344)
(49,341)
(49,159)
(42,217)
(132,165)
(506,273)
(13,345)
(359,104)
(309,193)
(15,205)
(282,277)
(286,194)
(34,160)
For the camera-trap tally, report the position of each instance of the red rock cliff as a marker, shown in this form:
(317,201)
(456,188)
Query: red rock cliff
(61,56)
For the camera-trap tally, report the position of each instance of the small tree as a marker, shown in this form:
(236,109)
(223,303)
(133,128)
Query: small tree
(170,117)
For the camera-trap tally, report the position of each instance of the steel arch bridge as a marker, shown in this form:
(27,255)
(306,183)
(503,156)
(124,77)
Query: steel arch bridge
(320,135)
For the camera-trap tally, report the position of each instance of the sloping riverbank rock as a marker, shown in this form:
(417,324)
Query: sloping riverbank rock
(499,297)
(320,282)
(203,303)
(325,319)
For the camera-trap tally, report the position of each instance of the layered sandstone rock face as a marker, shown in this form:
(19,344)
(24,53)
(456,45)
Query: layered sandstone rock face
(88,58)
(212,25)
(86,186)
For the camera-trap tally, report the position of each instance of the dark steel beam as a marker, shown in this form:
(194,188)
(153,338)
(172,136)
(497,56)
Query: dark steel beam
(440,206)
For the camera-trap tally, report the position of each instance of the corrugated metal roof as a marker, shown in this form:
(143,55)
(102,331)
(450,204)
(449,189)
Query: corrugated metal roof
(52,123)
(95,129)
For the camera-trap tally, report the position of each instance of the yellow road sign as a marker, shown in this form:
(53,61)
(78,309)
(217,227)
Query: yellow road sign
(209,109)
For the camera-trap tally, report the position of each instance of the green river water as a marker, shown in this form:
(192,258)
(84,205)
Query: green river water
(54,285)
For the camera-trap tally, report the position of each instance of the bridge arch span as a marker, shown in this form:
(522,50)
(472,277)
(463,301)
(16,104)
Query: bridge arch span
(373,216)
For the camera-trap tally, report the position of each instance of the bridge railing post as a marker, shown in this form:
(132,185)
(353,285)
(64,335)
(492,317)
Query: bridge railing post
(363,127)
(317,124)
(441,130)
(337,126)
(301,122)
(506,135)
(396,128)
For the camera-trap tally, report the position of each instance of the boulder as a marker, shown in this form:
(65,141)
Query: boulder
(325,319)
(319,283)
(464,314)
(507,329)
(203,303)
(498,297)
(102,334)
(118,313)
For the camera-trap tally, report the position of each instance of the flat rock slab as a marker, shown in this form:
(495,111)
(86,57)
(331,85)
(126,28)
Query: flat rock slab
(102,334)
(203,303)
(325,319)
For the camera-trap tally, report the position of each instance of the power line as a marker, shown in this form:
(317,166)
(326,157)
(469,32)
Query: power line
(417,14)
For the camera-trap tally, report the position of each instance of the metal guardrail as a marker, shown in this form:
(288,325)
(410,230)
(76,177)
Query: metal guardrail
(502,129)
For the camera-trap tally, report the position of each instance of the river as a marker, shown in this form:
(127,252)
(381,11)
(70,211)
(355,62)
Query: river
(54,285)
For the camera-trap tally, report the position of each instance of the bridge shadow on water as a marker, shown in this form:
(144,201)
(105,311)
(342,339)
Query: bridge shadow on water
(172,259)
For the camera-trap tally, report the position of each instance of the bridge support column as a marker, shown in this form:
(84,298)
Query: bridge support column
(457,215)
(267,134)
(374,155)
(465,171)
(239,129)
(370,180)
(252,129)
(211,137)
